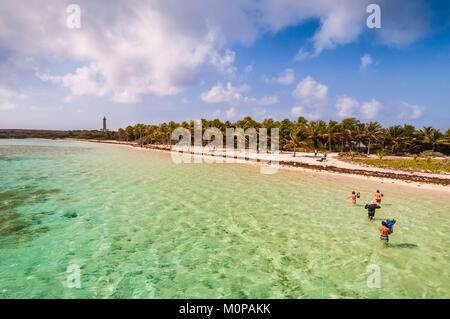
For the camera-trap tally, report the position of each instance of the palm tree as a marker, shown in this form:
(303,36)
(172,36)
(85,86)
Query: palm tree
(433,137)
(294,138)
(395,137)
(372,133)
(164,132)
(129,133)
(331,132)
(285,129)
(139,132)
(347,131)
(122,134)
(247,122)
(302,120)
(315,132)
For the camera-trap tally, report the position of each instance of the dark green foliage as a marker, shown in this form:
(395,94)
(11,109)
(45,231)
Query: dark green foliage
(81,134)
(348,135)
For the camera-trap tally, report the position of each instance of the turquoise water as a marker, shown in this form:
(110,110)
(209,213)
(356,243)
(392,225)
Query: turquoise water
(139,226)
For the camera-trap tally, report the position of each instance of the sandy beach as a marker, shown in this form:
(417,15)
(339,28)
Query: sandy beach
(307,162)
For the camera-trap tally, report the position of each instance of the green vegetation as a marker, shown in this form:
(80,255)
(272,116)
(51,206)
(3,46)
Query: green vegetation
(428,164)
(349,135)
(98,135)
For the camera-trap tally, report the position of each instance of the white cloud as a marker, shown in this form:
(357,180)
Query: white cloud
(346,106)
(342,22)
(230,113)
(220,93)
(268,100)
(225,62)
(411,111)
(370,109)
(298,111)
(341,27)
(286,77)
(83,82)
(366,60)
(231,94)
(141,48)
(302,55)
(313,103)
(311,90)
(312,97)
(158,47)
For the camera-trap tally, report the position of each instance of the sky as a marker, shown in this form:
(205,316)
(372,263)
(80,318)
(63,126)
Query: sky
(154,61)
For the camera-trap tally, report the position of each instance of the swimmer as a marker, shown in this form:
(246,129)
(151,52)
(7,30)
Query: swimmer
(385,231)
(371,209)
(354,197)
(390,224)
(378,196)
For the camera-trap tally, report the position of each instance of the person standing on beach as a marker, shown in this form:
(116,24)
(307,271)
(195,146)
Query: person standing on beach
(371,209)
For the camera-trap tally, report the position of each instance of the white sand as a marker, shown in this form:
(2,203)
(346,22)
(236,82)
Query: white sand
(305,158)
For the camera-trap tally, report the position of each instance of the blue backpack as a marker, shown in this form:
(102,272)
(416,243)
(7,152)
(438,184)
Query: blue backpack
(390,223)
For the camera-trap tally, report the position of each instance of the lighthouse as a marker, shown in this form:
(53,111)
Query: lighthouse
(104,129)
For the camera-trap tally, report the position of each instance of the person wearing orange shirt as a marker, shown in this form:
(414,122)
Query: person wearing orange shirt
(385,231)
(378,196)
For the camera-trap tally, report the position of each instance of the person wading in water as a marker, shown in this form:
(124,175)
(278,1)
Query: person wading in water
(371,209)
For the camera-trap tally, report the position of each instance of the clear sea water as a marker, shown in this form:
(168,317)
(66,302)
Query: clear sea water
(139,226)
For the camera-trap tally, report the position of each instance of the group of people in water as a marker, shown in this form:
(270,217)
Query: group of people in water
(387,226)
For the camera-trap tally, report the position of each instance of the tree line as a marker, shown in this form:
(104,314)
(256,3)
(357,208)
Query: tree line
(54,134)
(348,135)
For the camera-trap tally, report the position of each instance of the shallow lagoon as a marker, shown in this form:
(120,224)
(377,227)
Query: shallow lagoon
(140,226)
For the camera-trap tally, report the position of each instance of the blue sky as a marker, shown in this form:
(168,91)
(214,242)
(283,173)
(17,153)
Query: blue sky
(155,61)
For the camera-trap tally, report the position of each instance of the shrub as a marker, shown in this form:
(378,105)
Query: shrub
(381,154)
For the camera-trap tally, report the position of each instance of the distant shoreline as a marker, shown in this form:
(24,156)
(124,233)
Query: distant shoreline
(428,180)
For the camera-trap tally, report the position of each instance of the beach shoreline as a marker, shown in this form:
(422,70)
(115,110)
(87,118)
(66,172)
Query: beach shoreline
(306,163)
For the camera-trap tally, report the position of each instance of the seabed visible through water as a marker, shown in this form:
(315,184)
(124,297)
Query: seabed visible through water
(139,226)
